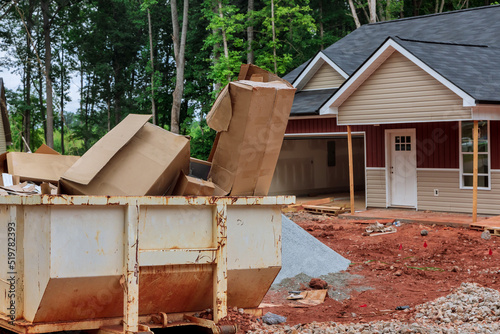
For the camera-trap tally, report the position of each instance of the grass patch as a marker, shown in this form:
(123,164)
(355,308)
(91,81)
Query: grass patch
(426,268)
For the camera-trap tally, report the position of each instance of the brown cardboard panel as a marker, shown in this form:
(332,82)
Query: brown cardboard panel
(44,149)
(247,152)
(39,167)
(191,186)
(148,164)
(220,114)
(279,121)
(98,156)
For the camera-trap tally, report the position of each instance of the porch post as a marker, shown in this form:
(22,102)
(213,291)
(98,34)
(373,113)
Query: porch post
(475,171)
(351,170)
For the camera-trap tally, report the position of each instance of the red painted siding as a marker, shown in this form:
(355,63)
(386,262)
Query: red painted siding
(437,143)
(495,144)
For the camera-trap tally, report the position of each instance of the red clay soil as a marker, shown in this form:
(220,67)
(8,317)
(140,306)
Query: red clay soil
(397,266)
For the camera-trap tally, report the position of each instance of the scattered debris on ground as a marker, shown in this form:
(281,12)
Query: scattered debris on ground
(454,277)
(470,308)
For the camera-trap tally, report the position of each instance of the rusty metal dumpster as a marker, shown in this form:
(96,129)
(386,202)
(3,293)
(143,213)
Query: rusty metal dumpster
(94,262)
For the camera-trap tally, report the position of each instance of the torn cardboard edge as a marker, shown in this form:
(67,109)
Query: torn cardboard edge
(255,73)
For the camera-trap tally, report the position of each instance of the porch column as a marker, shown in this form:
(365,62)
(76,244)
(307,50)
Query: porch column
(351,170)
(475,134)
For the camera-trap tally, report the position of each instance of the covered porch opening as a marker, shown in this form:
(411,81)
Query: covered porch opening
(318,164)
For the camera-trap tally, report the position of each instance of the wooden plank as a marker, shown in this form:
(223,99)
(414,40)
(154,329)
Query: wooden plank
(381,233)
(475,172)
(351,169)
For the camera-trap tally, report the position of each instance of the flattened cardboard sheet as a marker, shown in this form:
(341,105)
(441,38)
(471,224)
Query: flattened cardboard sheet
(94,160)
(39,167)
(149,163)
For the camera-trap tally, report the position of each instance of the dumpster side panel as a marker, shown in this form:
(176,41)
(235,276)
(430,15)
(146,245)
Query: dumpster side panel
(4,285)
(175,227)
(247,287)
(73,299)
(86,241)
(254,237)
(178,288)
(36,257)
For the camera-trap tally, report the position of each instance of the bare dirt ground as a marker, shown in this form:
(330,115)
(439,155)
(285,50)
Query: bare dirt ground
(394,269)
(397,266)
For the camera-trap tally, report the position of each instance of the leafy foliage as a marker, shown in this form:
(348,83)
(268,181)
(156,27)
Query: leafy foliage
(103,47)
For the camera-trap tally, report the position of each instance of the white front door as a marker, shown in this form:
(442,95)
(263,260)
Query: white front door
(402,169)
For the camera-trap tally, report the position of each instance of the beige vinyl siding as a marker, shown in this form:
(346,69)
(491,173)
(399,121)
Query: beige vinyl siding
(400,91)
(375,188)
(325,77)
(3,144)
(451,198)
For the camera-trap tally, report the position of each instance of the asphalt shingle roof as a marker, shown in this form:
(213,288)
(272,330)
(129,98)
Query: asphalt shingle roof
(308,102)
(474,69)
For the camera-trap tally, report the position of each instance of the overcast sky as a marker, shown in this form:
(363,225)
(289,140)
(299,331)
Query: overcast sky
(12,81)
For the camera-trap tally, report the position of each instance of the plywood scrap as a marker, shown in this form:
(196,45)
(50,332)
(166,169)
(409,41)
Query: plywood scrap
(311,298)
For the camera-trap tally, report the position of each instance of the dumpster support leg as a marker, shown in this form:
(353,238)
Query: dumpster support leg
(131,279)
(220,270)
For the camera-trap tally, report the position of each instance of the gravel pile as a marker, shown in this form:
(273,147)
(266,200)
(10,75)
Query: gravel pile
(469,309)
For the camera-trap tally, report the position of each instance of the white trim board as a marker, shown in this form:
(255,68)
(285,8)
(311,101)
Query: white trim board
(373,63)
(438,169)
(313,67)
(322,134)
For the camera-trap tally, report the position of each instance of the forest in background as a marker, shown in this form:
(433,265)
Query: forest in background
(165,58)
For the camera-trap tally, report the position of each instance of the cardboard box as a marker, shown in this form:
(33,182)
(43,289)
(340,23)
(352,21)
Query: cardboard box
(39,167)
(191,186)
(44,149)
(247,151)
(135,158)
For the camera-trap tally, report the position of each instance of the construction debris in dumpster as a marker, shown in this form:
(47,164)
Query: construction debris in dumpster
(137,158)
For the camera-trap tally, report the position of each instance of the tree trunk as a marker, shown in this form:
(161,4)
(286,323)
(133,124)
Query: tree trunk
(441,7)
(153,106)
(274,37)
(373,10)
(250,54)
(27,111)
(354,14)
(321,30)
(48,68)
(62,100)
(179,49)
(224,40)
(40,99)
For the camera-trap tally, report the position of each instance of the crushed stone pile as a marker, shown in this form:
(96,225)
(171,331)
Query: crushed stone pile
(471,308)
(304,254)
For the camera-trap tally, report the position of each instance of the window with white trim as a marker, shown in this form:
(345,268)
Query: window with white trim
(467,155)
